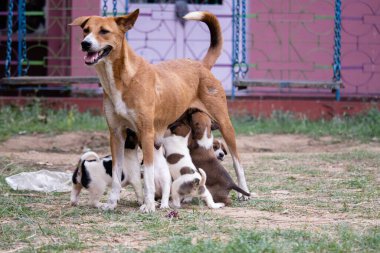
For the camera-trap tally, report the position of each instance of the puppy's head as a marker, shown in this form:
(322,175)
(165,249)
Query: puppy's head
(219,149)
(103,36)
(200,124)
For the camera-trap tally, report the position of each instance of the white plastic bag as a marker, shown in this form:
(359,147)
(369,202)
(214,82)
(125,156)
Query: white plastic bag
(42,181)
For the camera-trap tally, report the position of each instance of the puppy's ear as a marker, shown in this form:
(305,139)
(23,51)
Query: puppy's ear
(224,148)
(126,22)
(80,21)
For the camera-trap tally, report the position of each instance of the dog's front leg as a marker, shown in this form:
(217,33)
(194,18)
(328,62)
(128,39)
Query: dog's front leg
(147,145)
(117,138)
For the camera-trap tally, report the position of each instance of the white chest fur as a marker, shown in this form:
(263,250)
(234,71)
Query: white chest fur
(117,105)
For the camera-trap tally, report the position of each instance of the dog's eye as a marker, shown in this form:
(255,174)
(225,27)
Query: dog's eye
(86,30)
(103,31)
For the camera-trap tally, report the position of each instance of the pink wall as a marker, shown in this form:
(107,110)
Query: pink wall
(81,8)
(293,39)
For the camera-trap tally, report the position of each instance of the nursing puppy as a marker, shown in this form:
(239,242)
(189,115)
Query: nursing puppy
(188,180)
(96,175)
(220,150)
(219,181)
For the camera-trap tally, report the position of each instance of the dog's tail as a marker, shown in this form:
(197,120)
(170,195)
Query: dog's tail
(238,189)
(216,42)
(203,177)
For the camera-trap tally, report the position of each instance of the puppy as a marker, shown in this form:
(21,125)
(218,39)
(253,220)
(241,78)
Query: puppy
(96,175)
(219,182)
(219,149)
(188,180)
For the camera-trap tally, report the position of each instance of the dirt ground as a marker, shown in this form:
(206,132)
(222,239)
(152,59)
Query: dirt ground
(61,152)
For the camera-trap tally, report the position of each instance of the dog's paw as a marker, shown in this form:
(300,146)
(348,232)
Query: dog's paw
(108,206)
(175,205)
(73,203)
(217,205)
(148,208)
(140,201)
(164,206)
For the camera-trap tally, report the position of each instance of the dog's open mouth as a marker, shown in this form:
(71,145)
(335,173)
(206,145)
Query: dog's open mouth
(93,57)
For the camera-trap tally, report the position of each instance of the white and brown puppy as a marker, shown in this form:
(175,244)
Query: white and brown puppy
(148,98)
(188,181)
(219,181)
(220,150)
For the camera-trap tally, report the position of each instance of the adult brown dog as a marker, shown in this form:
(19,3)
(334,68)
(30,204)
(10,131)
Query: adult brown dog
(147,98)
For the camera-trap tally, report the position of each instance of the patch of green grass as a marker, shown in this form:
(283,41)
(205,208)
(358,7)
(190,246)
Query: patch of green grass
(37,119)
(269,205)
(364,127)
(345,240)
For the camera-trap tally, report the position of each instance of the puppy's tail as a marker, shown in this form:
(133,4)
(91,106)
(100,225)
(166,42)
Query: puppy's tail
(238,189)
(216,42)
(203,177)
(88,154)
(77,175)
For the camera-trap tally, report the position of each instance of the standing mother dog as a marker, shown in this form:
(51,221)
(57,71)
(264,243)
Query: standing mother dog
(147,98)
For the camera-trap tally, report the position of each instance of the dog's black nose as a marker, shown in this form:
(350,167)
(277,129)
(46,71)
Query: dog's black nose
(221,156)
(85,45)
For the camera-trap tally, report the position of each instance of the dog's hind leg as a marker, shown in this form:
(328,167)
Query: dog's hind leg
(214,99)
(176,197)
(207,197)
(74,198)
(96,193)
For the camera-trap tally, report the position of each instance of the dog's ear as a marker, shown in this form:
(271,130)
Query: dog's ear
(127,22)
(80,21)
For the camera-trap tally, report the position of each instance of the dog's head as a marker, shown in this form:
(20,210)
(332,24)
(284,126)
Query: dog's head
(103,36)
(219,149)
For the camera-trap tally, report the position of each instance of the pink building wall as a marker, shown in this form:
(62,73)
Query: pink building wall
(287,39)
(294,39)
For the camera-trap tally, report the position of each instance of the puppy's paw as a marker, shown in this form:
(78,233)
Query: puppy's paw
(187,200)
(108,206)
(73,203)
(148,208)
(217,205)
(242,197)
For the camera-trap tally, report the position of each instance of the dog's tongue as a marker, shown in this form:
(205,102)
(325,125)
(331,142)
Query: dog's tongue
(90,57)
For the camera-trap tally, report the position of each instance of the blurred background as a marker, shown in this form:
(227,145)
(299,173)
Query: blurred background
(276,49)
